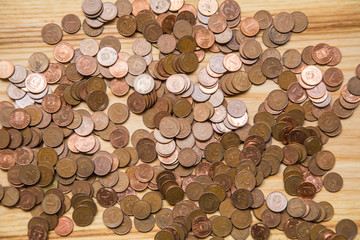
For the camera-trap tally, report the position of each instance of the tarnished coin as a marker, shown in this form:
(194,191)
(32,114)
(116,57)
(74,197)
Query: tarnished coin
(333,182)
(38,62)
(113,217)
(51,33)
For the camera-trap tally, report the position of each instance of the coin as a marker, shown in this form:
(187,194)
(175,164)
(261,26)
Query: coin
(7,69)
(51,33)
(63,52)
(276,201)
(64,227)
(107,56)
(284,22)
(70,23)
(38,62)
(264,18)
(249,26)
(113,217)
(260,231)
(347,228)
(333,182)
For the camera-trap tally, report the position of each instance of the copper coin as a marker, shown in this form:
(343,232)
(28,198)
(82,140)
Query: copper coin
(306,190)
(90,31)
(201,226)
(354,86)
(333,77)
(333,182)
(284,22)
(271,67)
(97,100)
(311,75)
(291,58)
(86,65)
(63,52)
(119,137)
(64,227)
(19,118)
(113,217)
(230,10)
(347,228)
(336,56)
(51,33)
(249,26)
(300,21)
(207,7)
(264,18)
(7,69)
(306,55)
(260,231)
(322,53)
(106,197)
(217,23)
(54,73)
(277,37)
(70,23)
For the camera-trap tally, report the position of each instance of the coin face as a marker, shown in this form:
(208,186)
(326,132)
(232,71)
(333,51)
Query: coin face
(144,83)
(51,33)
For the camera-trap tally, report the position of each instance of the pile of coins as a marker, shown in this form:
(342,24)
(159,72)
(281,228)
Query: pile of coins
(171,191)
(84,209)
(207,150)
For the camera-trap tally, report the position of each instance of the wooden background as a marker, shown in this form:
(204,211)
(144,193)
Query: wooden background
(334,22)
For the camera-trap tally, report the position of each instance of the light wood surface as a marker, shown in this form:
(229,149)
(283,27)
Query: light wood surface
(334,22)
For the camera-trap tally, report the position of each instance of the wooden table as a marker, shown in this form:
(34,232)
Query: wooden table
(334,22)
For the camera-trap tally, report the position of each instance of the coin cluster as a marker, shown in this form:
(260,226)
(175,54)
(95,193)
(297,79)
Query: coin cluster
(201,155)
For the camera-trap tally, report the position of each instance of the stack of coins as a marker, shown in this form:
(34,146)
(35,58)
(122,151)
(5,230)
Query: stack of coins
(84,209)
(169,188)
(278,31)
(138,103)
(311,81)
(97,14)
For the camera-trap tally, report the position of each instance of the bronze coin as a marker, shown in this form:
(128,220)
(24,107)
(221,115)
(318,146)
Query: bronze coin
(322,53)
(347,228)
(11,196)
(264,18)
(29,174)
(91,32)
(333,182)
(51,33)
(70,23)
(201,226)
(221,226)
(97,100)
(271,67)
(51,203)
(328,121)
(242,199)
(106,197)
(112,217)
(83,216)
(277,37)
(144,225)
(306,190)
(284,22)
(260,231)
(119,137)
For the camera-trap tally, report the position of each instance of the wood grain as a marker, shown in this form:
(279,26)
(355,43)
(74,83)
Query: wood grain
(334,22)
